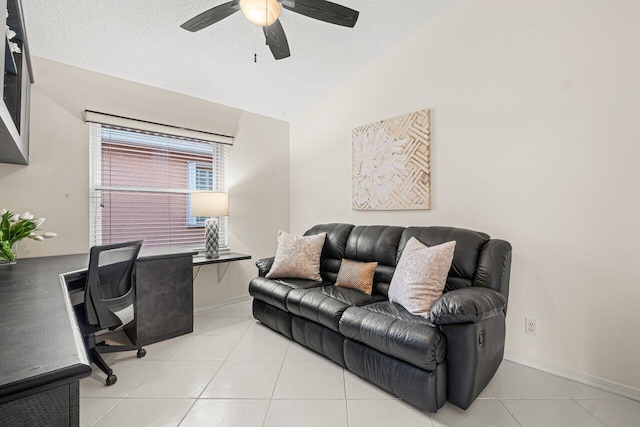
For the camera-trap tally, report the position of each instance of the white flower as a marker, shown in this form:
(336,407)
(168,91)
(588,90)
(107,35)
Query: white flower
(39,222)
(38,238)
(24,216)
(4,211)
(15,218)
(14,47)
(50,235)
(378,163)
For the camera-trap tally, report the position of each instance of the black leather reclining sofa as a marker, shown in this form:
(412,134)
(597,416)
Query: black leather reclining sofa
(451,356)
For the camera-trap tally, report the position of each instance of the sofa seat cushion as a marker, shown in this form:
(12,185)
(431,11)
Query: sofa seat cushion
(325,305)
(274,291)
(390,329)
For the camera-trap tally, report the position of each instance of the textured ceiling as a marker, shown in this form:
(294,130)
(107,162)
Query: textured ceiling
(141,41)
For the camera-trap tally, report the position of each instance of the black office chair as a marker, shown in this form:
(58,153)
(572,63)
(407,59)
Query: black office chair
(109,299)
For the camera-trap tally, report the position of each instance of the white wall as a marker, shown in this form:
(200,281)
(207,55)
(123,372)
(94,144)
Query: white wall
(534,116)
(258,205)
(56,182)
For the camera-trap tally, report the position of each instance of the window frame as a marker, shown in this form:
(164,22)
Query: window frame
(98,188)
(192,182)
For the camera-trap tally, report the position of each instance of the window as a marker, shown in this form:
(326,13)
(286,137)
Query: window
(141,184)
(200,177)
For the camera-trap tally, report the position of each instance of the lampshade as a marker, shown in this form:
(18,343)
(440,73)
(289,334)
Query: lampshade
(260,12)
(209,203)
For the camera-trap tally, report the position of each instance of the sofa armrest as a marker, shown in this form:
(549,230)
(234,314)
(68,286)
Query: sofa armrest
(467,305)
(494,267)
(264,265)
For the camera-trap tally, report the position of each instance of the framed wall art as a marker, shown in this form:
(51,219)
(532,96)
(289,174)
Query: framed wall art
(391,164)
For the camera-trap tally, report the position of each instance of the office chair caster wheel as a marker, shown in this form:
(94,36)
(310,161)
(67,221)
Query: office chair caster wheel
(141,353)
(111,379)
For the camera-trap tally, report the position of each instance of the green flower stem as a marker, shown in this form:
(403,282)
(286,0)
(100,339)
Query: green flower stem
(7,253)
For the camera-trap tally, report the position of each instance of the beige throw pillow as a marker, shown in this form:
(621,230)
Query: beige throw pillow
(421,275)
(356,275)
(297,257)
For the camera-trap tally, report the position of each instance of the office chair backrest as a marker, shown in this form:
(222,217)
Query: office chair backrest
(109,291)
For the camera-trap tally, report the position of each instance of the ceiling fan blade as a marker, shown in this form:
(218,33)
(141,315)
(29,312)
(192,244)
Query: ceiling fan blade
(277,40)
(211,16)
(324,11)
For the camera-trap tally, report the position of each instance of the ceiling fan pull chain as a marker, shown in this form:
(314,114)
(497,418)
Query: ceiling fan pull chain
(266,19)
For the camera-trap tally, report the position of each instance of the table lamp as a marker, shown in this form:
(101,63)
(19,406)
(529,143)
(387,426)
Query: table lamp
(210,204)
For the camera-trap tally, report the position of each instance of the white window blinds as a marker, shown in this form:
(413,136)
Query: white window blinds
(141,184)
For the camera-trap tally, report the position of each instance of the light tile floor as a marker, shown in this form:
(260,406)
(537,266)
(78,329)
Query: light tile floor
(232,371)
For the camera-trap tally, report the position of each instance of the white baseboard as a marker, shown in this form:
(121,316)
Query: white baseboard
(586,379)
(224,302)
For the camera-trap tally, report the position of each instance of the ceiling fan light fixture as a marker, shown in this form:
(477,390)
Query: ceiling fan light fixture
(260,12)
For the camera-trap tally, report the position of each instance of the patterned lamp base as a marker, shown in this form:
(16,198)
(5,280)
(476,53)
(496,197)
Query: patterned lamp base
(211,237)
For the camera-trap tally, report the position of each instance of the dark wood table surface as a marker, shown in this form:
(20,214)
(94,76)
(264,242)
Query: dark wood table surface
(40,343)
(200,259)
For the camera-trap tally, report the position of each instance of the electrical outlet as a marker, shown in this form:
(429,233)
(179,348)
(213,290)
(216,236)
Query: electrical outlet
(531,327)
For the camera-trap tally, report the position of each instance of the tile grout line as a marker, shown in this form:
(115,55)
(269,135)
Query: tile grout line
(302,399)
(550,383)
(428,414)
(162,363)
(224,360)
(266,414)
(598,420)
(346,398)
(585,410)
(593,415)
(509,412)
(245,333)
(105,414)
(128,396)
(214,375)
(122,399)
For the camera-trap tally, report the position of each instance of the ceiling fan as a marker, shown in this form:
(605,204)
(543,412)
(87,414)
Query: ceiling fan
(265,13)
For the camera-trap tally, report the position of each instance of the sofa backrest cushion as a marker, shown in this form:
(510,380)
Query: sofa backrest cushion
(469,244)
(376,243)
(477,260)
(334,249)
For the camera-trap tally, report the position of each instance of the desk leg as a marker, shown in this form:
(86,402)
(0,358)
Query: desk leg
(164,300)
